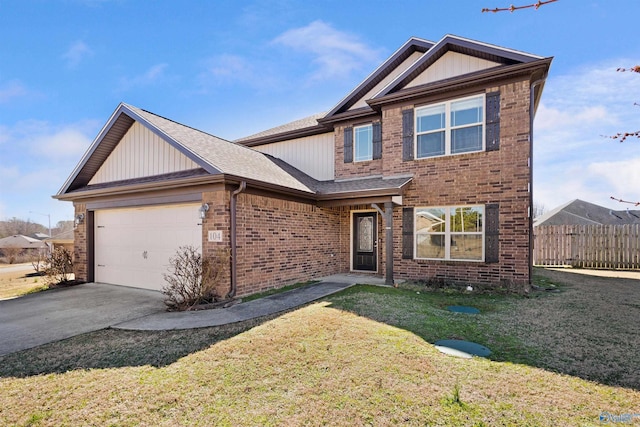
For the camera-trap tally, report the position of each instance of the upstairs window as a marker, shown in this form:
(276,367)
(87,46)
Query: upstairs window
(363,143)
(451,127)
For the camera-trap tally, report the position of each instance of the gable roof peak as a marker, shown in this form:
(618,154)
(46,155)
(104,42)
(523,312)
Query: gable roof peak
(452,38)
(462,45)
(396,72)
(413,44)
(213,154)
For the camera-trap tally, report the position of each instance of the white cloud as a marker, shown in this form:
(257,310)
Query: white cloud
(9,173)
(554,118)
(335,53)
(67,142)
(35,158)
(228,66)
(45,143)
(573,156)
(12,89)
(152,76)
(4,134)
(76,53)
(225,70)
(622,178)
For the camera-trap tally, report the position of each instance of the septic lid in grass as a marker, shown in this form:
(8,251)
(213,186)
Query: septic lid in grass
(462,348)
(463,309)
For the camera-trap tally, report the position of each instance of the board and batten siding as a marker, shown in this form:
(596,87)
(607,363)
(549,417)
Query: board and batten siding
(451,64)
(313,155)
(141,153)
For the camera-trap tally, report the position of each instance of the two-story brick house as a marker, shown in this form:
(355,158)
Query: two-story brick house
(422,171)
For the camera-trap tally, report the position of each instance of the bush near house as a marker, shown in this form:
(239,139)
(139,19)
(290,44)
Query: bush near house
(192,278)
(59,267)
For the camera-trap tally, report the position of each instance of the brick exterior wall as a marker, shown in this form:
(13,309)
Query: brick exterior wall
(80,244)
(282,242)
(218,219)
(353,169)
(476,178)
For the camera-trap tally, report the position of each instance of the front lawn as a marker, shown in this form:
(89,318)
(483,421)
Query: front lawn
(17,283)
(361,357)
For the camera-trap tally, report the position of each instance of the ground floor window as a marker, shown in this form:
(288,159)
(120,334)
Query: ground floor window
(449,233)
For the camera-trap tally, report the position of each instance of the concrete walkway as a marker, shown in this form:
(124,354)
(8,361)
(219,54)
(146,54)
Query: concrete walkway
(247,310)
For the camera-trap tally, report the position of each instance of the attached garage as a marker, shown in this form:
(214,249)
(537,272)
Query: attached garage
(132,246)
(148,185)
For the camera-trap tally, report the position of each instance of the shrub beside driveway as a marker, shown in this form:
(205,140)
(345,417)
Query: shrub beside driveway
(358,358)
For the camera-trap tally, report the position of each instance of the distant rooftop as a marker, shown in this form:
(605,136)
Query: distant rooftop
(579,212)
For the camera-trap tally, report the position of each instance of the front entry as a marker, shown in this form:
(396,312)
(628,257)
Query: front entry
(365,241)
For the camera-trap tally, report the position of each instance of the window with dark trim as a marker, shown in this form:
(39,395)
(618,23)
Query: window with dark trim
(449,233)
(450,127)
(362,143)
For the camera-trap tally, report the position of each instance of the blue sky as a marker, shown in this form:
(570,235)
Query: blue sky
(233,68)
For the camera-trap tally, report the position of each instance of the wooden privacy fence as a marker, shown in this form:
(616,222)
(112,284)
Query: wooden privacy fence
(588,246)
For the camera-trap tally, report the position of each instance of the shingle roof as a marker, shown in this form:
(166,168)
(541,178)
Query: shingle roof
(217,156)
(21,242)
(390,186)
(430,52)
(224,156)
(579,212)
(65,235)
(303,123)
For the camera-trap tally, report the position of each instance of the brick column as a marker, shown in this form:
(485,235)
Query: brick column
(80,267)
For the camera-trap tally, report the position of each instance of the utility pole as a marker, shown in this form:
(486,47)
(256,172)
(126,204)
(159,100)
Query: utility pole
(48,216)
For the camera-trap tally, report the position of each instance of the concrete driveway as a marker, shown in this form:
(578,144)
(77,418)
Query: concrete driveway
(44,317)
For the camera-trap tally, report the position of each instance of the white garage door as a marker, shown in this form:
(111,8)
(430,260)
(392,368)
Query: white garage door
(133,245)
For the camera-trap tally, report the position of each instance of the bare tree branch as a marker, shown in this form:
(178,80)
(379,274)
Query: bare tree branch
(514,8)
(622,136)
(625,201)
(634,69)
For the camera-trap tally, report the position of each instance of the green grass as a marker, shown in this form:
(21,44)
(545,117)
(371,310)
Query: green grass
(426,315)
(360,357)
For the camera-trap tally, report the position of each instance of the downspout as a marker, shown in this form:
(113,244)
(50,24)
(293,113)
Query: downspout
(234,249)
(531,117)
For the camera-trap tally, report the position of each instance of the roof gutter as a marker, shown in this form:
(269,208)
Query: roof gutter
(281,136)
(234,248)
(532,113)
(138,188)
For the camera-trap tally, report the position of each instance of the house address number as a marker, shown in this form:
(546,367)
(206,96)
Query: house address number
(215,235)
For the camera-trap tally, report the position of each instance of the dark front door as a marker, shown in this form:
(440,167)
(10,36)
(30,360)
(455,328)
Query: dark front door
(365,241)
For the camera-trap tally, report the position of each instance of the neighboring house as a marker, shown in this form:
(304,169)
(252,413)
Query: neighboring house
(421,171)
(579,212)
(13,246)
(63,240)
(586,235)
